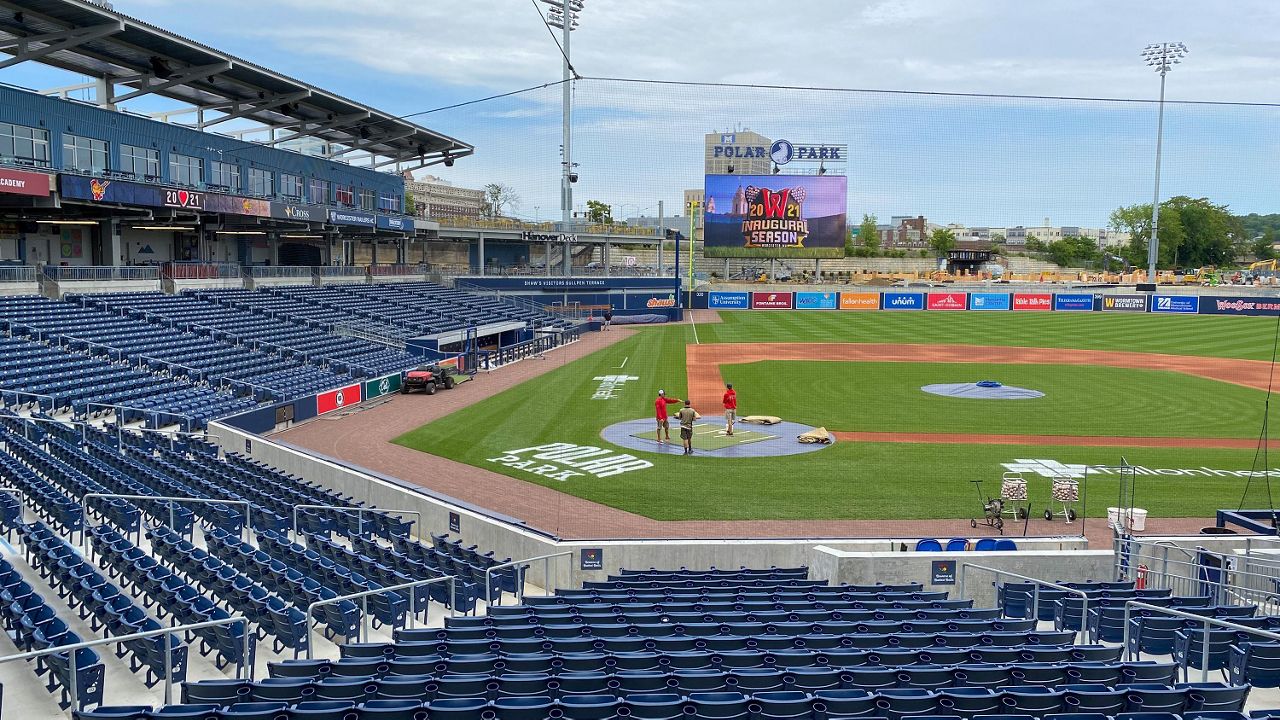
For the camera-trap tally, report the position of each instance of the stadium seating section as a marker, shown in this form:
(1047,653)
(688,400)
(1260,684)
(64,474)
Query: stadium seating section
(188,358)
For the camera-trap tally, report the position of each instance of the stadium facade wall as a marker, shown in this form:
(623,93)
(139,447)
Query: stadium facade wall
(61,117)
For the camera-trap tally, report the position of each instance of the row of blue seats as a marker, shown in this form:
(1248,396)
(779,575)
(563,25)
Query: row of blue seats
(237,592)
(388,608)
(665,706)
(103,604)
(916,672)
(457,593)
(453,558)
(341,619)
(928,633)
(247,326)
(792,602)
(261,508)
(711,573)
(31,624)
(172,596)
(836,702)
(985,544)
(563,600)
(36,469)
(917,617)
(971,641)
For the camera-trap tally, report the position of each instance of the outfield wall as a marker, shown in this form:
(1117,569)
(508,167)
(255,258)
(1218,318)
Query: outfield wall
(968,301)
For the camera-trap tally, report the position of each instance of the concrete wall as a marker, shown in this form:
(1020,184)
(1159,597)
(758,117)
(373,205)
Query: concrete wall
(67,287)
(1066,564)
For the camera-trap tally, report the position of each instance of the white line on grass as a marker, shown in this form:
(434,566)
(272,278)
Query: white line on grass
(624,363)
(694,325)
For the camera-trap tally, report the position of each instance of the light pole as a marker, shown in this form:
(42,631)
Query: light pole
(1161,57)
(564,15)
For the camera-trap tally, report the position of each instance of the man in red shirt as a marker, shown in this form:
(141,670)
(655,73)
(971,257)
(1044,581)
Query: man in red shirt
(730,408)
(663,414)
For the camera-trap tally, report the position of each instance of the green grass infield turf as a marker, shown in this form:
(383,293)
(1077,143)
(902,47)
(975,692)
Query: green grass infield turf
(855,480)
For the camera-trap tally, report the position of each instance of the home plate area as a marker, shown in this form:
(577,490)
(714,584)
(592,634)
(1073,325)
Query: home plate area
(711,440)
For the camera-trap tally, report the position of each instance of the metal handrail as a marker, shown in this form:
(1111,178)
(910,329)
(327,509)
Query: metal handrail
(72,691)
(546,572)
(1035,590)
(359,514)
(89,497)
(1204,644)
(363,597)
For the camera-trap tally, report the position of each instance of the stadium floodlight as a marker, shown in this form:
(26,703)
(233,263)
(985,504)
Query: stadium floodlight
(563,15)
(1160,57)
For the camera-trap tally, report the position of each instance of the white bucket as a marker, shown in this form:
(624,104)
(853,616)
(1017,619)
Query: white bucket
(1138,521)
(1135,518)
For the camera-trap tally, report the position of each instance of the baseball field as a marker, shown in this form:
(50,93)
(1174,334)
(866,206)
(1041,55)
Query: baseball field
(1181,397)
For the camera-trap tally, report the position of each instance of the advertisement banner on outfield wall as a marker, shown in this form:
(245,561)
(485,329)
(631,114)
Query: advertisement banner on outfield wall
(729,301)
(1175,304)
(771,301)
(337,399)
(989,301)
(1212,305)
(1032,301)
(859,301)
(381,386)
(1073,302)
(948,301)
(903,301)
(1124,303)
(816,301)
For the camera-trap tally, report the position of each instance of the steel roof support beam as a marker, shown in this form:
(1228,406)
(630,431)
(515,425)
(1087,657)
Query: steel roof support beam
(22,50)
(243,109)
(425,160)
(308,129)
(366,143)
(181,77)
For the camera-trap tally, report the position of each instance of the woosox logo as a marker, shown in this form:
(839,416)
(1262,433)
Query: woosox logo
(1055,469)
(609,386)
(550,461)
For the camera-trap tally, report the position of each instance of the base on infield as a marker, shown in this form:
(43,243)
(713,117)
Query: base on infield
(710,440)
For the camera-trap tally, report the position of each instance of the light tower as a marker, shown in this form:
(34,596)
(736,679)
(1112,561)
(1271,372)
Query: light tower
(1161,57)
(563,14)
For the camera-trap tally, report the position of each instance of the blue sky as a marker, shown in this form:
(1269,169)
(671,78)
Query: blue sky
(992,161)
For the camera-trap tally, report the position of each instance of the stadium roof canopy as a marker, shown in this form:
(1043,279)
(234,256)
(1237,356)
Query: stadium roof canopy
(131,58)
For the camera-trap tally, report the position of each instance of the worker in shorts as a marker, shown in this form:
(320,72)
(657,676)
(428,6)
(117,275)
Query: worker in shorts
(730,408)
(608,317)
(663,414)
(687,416)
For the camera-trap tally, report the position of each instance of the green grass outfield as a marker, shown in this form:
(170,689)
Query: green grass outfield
(1079,400)
(887,480)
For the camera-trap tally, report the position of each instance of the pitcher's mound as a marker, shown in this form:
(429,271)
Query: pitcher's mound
(711,440)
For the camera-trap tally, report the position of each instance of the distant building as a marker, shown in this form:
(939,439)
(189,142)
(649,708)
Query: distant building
(746,152)
(696,196)
(905,232)
(438,198)
(671,222)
